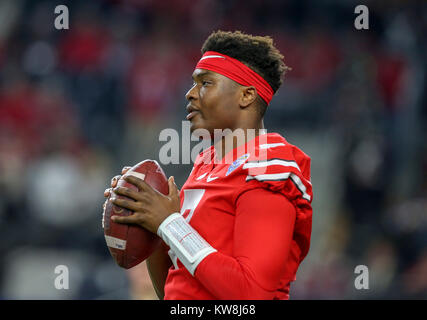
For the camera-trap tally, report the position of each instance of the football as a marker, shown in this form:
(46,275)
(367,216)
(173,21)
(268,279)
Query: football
(131,244)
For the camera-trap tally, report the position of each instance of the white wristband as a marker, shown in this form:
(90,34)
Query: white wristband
(184,241)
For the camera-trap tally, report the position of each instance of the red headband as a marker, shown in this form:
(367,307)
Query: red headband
(237,71)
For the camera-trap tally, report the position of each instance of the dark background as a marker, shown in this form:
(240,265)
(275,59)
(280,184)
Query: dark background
(77,105)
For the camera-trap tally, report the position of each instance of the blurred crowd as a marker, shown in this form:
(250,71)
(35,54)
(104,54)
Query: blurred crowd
(77,105)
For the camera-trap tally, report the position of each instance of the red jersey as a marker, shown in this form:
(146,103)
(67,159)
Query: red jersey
(254,208)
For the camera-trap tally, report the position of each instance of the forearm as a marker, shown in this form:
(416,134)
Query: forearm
(158,265)
(234,280)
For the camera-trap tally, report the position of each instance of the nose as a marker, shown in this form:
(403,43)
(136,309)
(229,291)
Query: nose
(192,93)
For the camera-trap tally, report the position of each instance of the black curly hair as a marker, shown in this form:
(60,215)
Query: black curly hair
(257,52)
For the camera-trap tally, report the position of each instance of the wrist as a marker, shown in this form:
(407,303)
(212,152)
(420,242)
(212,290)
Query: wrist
(166,221)
(188,245)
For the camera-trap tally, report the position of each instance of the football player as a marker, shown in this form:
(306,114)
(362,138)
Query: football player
(241,224)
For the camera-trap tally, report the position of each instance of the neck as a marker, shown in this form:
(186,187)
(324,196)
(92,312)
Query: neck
(232,139)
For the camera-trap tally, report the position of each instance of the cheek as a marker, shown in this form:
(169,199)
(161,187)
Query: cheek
(218,107)
(226,108)
(209,102)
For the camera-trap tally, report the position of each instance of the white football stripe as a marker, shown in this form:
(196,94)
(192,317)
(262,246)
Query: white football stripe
(135,174)
(273,162)
(270,145)
(117,243)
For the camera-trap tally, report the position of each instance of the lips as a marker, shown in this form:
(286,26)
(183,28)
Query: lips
(192,111)
(191,114)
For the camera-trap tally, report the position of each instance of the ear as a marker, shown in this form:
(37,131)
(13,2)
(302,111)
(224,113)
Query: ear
(247,96)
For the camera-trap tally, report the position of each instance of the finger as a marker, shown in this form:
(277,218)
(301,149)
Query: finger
(127,204)
(128,193)
(125,169)
(174,183)
(107,192)
(114,180)
(137,182)
(132,219)
(173,189)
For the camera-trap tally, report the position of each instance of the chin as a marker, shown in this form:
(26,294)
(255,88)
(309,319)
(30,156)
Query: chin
(194,126)
(199,130)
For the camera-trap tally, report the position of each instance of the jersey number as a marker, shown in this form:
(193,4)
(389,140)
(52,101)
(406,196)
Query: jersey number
(192,199)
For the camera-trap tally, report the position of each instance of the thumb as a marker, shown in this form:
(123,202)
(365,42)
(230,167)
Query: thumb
(173,189)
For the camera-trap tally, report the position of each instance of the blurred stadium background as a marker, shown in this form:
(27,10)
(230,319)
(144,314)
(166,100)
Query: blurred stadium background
(77,105)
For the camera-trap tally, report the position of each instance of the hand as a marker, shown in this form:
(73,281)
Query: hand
(114,181)
(150,207)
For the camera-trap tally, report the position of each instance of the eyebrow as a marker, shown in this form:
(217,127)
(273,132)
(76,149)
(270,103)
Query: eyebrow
(199,75)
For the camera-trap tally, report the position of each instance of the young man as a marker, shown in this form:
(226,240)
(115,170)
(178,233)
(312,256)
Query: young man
(241,224)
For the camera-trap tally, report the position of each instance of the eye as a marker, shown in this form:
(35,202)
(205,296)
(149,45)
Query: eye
(204,82)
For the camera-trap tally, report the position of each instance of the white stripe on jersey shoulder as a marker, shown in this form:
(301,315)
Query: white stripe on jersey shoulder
(269,176)
(270,145)
(271,162)
(280,177)
(300,186)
